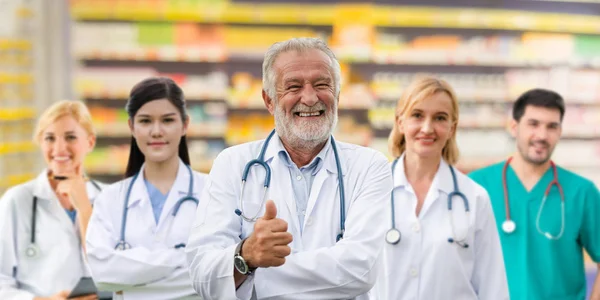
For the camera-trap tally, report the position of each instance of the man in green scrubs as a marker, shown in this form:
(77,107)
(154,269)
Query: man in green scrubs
(543,253)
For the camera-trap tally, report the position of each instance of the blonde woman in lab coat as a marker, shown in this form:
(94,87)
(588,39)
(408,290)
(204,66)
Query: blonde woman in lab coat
(140,225)
(43,221)
(436,248)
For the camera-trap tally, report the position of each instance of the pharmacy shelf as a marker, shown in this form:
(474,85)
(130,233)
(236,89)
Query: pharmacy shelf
(472,64)
(328,14)
(12,180)
(16,147)
(18,113)
(397,50)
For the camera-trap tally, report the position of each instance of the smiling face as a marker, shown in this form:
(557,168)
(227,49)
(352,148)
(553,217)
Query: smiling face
(537,133)
(428,126)
(157,128)
(64,144)
(305,108)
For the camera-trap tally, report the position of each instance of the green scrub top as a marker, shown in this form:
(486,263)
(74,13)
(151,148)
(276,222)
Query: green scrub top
(537,267)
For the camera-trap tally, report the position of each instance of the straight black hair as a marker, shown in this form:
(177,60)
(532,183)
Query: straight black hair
(150,89)
(540,98)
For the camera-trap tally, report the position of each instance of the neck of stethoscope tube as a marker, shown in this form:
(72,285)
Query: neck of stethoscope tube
(394,163)
(505,188)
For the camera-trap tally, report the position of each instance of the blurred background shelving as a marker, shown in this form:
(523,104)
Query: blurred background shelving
(17,92)
(490,52)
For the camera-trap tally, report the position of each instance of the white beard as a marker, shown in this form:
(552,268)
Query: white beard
(305,134)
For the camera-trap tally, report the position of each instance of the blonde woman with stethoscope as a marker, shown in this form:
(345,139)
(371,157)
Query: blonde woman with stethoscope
(442,242)
(43,221)
(137,233)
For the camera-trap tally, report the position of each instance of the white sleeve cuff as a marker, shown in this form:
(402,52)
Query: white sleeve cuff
(244,292)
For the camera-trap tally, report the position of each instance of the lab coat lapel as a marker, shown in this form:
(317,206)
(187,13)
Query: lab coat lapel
(48,200)
(328,174)
(441,187)
(140,201)
(281,192)
(178,190)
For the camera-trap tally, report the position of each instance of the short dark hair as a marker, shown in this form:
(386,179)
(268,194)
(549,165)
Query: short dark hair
(147,90)
(540,98)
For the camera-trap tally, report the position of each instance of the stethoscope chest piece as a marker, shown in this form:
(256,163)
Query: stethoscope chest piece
(393,236)
(32,251)
(122,245)
(509,226)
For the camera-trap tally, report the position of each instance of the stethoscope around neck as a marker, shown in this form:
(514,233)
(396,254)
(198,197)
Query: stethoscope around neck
(509,226)
(261,161)
(393,236)
(32,250)
(123,244)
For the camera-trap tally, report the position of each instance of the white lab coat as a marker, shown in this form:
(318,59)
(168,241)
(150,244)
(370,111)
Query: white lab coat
(60,262)
(424,265)
(152,268)
(318,268)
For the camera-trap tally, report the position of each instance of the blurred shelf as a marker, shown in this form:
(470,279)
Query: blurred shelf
(16,147)
(329,14)
(13,180)
(15,44)
(16,78)
(378,63)
(17,113)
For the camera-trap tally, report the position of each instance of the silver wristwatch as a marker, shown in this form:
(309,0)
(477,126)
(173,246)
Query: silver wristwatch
(239,262)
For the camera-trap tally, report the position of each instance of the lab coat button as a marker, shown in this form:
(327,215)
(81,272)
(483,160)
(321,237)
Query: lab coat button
(414,272)
(416,228)
(308,221)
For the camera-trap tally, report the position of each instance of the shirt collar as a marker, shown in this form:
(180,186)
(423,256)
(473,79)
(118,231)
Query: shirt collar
(276,147)
(442,181)
(315,165)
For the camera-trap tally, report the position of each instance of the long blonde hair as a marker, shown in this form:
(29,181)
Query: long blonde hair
(75,109)
(420,89)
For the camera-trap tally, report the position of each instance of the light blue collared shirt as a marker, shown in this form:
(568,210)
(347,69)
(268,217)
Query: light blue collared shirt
(302,179)
(156,198)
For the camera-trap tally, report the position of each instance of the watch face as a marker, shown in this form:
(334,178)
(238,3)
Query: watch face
(240,265)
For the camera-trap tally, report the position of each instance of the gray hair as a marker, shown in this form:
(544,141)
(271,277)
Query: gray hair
(300,45)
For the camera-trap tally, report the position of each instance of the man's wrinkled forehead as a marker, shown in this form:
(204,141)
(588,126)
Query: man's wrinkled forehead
(310,57)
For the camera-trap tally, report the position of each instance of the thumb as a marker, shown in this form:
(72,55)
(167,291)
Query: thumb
(270,210)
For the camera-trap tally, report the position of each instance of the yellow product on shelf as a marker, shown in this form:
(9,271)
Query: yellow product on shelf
(246,91)
(11,114)
(245,39)
(328,14)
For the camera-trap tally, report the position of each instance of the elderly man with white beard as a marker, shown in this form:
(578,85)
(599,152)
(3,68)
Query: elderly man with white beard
(298,215)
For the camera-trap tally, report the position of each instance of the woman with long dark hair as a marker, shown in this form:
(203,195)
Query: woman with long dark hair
(139,227)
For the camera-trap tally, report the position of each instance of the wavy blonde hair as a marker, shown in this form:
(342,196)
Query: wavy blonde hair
(420,89)
(75,109)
